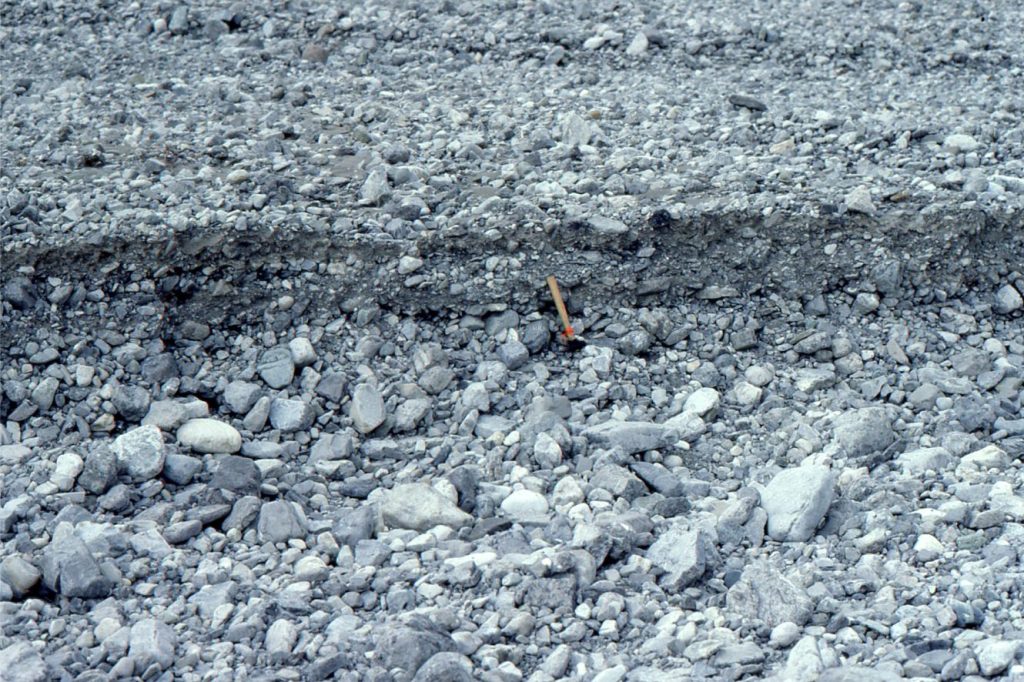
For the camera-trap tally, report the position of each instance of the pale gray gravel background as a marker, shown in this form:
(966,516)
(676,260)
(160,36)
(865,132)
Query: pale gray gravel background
(280,395)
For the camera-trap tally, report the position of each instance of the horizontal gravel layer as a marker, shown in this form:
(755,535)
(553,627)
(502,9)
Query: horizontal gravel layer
(281,392)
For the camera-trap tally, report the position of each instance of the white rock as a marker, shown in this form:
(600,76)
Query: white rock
(210,436)
(796,501)
(140,452)
(367,410)
(409,264)
(704,402)
(928,547)
(747,394)
(638,45)
(979,462)
(1008,299)
(280,638)
(995,655)
(311,568)
(784,635)
(68,466)
(302,351)
(859,201)
(958,142)
(419,506)
(525,505)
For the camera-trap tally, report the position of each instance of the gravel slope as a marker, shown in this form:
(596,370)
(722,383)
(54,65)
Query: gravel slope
(281,395)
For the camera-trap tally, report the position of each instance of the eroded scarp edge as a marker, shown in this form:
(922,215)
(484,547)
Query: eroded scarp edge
(666,258)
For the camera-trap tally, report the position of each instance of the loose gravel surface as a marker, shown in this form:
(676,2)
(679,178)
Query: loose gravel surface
(281,396)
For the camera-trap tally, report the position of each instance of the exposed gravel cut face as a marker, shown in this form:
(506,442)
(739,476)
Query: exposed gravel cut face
(281,396)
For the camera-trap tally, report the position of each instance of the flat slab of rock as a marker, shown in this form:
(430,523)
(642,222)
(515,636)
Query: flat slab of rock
(680,552)
(70,569)
(152,641)
(764,593)
(631,437)
(419,506)
(210,436)
(796,501)
(367,408)
(22,659)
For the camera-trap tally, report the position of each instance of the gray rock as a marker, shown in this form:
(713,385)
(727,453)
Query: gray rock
(243,513)
(631,436)
(152,642)
(408,649)
(921,460)
(446,666)
(681,554)
(367,410)
(333,446)
(166,415)
(262,449)
(995,655)
(689,425)
(420,507)
(19,574)
(303,353)
(280,640)
(44,394)
(514,354)
(19,662)
(240,396)
(291,415)
(276,367)
(331,386)
(159,368)
(813,379)
(257,417)
(210,436)
(237,474)
(66,469)
(610,226)
(764,593)
(281,521)
(619,481)
(796,501)
(704,402)
(813,343)
(546,451)
(140,452)
(1008,300)
(575,130)
(70,569)
(132,402)
(859,201)
(410,413)
(179,20)
(858,673)
(20,293)
(375,188)
(864,431)
(181,469)
(435,379)
(526,506)
(536,336)
(475,396)
(352,525)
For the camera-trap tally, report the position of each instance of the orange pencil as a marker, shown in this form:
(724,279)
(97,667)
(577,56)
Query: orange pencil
(568,334)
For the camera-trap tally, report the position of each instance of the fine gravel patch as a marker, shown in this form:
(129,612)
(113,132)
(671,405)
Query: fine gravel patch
(281,395)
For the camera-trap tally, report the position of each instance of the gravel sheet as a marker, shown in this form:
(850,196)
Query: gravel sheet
(282,395)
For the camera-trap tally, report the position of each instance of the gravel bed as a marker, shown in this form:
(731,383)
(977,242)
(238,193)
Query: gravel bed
(281,392)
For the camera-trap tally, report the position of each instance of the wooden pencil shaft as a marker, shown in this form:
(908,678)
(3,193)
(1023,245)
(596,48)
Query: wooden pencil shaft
(559,303)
